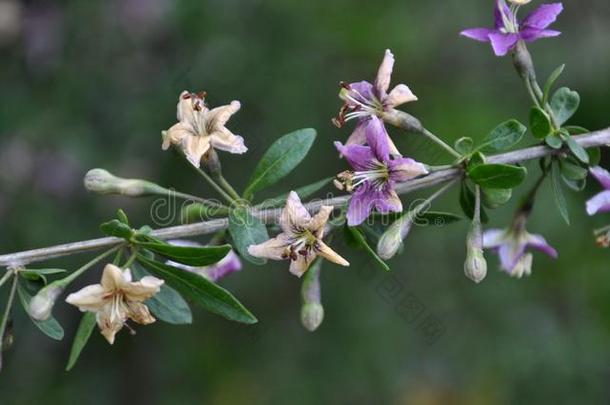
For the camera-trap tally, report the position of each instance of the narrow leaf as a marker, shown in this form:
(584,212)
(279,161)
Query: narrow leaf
(83,333)
(116,228)
(246,230)
(280,159)
(550,82)
(362,242)
(202,291)
(189,255)
(560,199)
(50,327)
(579,152)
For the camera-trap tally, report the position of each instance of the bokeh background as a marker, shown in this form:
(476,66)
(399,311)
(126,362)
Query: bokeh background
(92,84)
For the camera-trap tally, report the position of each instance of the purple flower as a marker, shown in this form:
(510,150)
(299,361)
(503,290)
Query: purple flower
(509,30)
(375,174)
(364,100)
(511,245)
(214,272)
(601,201)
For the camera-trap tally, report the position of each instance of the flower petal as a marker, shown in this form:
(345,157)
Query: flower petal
(110,322)
(89,298)
(114,278)
(478,34)
(503,43)
(223,139)
(218,117)
(143,289)
(273,249)
(501,8)
(492,238)
(357,93)
(358,137)
(539,243)
(360,205)
(387,201)
(190,107)
(543,16)
(299,266)
(139,313)
(229,264)
(384,74)
(602,175)
(533,34)
(403,169)
(599,203)
(358,156)
(294,214)
(510,253)
(318,222)
(326,252)
(194,147)
(399,95)
(176,134)
(378,139)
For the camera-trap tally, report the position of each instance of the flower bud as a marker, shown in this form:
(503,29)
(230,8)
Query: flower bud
(41,305)
(103,182)
(475,266)
(312,316)
(391,240)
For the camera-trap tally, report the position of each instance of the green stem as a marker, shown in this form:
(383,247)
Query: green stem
(67,280)
(212,183)
(5,277)
(203,201)
(441,143)
(227,187)
(7,312)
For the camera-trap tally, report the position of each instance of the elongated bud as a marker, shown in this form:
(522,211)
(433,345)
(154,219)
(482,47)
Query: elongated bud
(390,242)
(103,182)
(523,62)
(41,305)
(312,311)
(475,266)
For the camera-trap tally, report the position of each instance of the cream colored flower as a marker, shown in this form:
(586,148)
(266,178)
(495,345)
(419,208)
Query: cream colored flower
(199,128)
(301,239)
(117,299)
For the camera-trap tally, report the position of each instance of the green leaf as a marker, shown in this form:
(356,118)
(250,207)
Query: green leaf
(117,228)
(121,216)
(166,305)
(464,146)
(550,82)
(579,152)
(495,197)
(246,230)
(497,175)
(303,192)
(595,156)
(438,218)
(554,141)
(189,255)
(503,137)
(572,170)
(467,202)
(279,160)
(50,327)
(197,212)
(39,274)
(362,242)
(202,291)
(576,130)
(560,199)
(576,185)
(83,333)
(540,123)
(564,104)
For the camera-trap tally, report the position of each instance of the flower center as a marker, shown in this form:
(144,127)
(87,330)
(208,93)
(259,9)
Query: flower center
(303,244)
(377,176)
(511,24)
(356,105)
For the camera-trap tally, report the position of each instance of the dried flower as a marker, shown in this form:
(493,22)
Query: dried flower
(601,201)
(508,30)
(200,128)
(301,238)
(375,175)
(117,299)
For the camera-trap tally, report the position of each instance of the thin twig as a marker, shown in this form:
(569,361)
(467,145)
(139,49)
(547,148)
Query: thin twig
(593,139)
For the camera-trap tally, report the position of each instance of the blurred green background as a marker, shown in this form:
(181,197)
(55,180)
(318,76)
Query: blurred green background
(92,84)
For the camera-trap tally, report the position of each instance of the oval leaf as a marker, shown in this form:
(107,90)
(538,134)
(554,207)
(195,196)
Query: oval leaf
(497,176)
(564,104)
(117,228)
(540,123)
(495,197)
(246,230)
(503,137)
(202,291)
(279,160)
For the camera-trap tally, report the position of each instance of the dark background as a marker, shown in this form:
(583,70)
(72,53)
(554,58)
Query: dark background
(91,84)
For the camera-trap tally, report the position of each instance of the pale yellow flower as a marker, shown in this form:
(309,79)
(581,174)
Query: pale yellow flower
(301,239)
(117,299)
(199,128)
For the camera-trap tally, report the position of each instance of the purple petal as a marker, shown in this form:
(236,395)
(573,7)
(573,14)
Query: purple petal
(361,91)
(360,205)
(602,175)
(510,253)
(599,203)
(539,243)
(358,156)
(358,137)
(229,264)
(492,238)
(384,74)
(502,43)
(543,16)
(378,139)
(498,20)
(403,169)
(478,34)
(387,200)
(533,34)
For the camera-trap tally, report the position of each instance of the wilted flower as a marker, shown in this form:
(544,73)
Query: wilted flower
(511,244)
(200,128)
(375,175)
(214,272)
(117,299)
(364,100)
(601,201)
(508,30)
(301,238)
